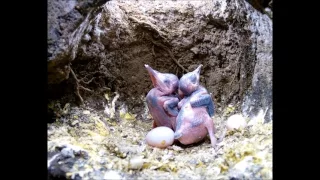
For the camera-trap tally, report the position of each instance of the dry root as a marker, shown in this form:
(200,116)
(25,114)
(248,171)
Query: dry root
(79,86)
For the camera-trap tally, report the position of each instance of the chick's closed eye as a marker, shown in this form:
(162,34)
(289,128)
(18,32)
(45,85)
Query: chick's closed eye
(193,79)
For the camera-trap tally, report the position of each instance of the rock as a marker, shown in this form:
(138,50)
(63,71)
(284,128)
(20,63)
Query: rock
(102,152)
(67,152)
(259,97)
(245,169)
(97,175)
(74,122)
(64,18)
(235,47)
(195,50)
(86,38)
(59,167)
(61,163)
(86,112)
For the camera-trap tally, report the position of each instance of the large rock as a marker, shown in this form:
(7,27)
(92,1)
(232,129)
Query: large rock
(64,18)
(109,45)
(259,97)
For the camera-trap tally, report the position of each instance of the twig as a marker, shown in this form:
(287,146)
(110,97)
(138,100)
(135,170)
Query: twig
(113,103)
(111,112)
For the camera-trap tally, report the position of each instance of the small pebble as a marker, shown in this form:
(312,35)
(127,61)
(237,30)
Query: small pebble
(74,122)
(235,122)
(102,152)
(160,137)
(67,152)
(86,112)
(112,175)
(136,163)
(177,148)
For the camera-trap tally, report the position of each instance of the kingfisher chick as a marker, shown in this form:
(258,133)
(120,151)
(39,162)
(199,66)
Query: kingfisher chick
(162,100)
(194,122)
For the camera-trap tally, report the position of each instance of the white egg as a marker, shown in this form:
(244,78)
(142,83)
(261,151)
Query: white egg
(235,122)
(160,137)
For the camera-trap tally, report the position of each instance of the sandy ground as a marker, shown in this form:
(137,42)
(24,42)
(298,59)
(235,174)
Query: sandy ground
(115,148)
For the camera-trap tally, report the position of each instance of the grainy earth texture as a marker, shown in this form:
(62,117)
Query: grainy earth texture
(97,86)
(84,144)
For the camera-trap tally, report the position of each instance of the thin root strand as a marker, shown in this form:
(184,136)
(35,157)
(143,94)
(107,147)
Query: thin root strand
(78,86)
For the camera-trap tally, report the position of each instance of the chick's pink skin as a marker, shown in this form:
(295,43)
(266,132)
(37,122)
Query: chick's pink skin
(193,123)
(196,125)
(193,97)
(161,100)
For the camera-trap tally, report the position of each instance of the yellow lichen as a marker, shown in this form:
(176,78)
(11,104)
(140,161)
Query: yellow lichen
(101,127)
(229,110)
(146,165)
(111,122)
(168,167)
(256,160)
(106,95)
(129,116)
(91,133)
(173,167)
(122,114)
(200,164)
(223,168)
